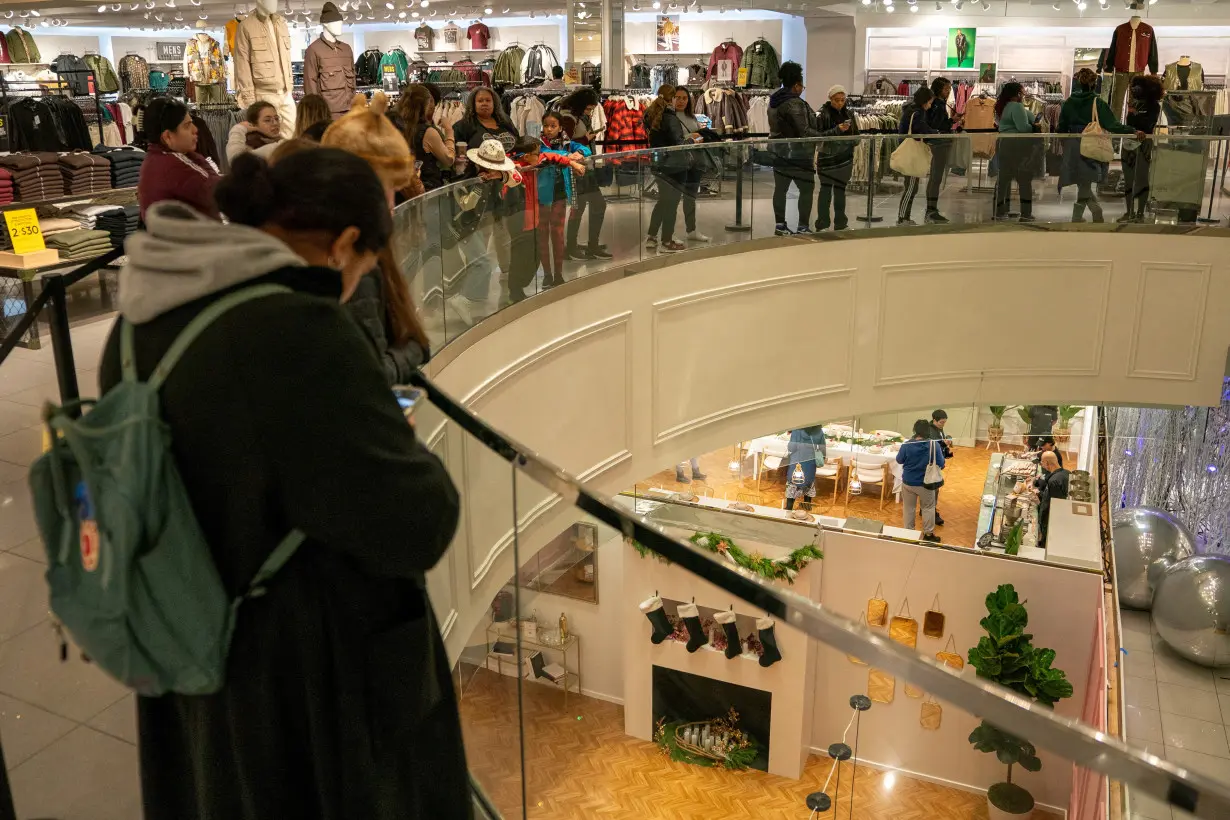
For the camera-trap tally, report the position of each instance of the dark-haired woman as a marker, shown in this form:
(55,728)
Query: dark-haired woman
(1016,155)
(433,149)
(173,169)
(575,112)
(260,130)
(1075,115)
(281,419)
(1143,110)
(914,121)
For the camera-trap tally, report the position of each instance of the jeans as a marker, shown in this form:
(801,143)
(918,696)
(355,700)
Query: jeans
(524,263)
(834,193)
(781,184)
(666,209)
(691,187)
(589,197)
(924,497)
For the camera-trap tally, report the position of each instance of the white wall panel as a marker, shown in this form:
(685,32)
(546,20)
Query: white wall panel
(1169,320)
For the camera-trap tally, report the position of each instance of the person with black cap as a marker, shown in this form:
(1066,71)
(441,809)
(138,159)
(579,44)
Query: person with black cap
(936,432)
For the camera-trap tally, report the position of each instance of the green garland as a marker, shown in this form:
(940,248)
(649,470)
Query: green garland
(783,569)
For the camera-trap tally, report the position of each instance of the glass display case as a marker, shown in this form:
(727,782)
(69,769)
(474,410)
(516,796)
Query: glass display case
(1009,497)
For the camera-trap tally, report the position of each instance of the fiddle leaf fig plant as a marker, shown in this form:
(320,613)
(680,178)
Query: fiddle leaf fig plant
(1007,656)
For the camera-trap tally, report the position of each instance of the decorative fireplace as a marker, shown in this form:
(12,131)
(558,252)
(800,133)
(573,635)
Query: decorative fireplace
(684,696)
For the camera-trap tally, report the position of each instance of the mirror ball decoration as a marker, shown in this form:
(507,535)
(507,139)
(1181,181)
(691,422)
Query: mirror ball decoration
(1148,541)
(1191,609)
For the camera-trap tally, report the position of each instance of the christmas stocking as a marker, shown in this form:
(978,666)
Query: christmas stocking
(768,639)
(727,620)
(696,635)
(657,616)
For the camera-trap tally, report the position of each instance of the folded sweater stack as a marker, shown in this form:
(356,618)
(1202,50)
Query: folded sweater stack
(125,164)
(36,176)
(85,173)
(80,244)
(6,187)
(119,223)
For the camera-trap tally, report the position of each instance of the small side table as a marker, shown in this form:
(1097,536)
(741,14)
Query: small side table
(508,632)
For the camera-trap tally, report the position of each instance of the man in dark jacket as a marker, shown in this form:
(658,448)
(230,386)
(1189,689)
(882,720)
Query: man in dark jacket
(790,118)
(1053,485)
(1041,420)
(936,433)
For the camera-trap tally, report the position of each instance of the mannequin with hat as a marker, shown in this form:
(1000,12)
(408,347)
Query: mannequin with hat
(262,62)
(328,64)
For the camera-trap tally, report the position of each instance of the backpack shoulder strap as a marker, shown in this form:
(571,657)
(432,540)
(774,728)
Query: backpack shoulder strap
(277,559)
(197,326)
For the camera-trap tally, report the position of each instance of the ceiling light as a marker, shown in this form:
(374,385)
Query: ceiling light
(203,16)
(179,18)
(25,14)
(34,13)
(487,10)
(657,4)
(985,6)
(414,14)
(1082,5)
(889,9)
(1152,2)
(401,15)
(101,9)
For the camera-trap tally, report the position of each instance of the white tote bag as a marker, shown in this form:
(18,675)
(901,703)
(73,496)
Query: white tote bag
(934,476)
(912,157)
(1095,143)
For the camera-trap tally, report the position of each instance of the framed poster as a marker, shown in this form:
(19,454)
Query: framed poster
(986,73)
(961,47)
(668,32)
(170,51)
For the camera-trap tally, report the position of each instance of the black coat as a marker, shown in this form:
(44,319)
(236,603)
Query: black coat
(791,118)
(338,703)
(368,307)
(1052,486)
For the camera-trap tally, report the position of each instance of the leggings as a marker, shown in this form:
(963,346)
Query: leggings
(551,238)
(939,169)
(781,185)
(524,263)
(691,187)
(589,196)
(666,209)
(907,198)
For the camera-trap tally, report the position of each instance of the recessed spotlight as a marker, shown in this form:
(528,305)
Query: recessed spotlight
(401,15)
(414,14)
(487,10)
(913,9)
(657,4)
(102,9)
(1082,5)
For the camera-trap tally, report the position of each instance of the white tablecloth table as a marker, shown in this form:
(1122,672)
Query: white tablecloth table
(764,446)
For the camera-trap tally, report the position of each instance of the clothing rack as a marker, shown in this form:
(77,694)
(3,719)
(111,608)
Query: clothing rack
(92,80)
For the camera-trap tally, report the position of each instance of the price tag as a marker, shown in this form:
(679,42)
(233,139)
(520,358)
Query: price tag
(24,231)
(388,69)
(743,77)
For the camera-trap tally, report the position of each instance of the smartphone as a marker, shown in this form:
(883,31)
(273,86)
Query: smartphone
(408,398)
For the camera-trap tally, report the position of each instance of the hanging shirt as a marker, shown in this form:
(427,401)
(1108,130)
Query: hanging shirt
(425,37)
(452,35)
(479,35)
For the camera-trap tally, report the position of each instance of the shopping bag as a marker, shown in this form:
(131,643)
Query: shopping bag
(881,686)
(902,628)
(877,608)
(1095,142)
(933,620)
(933,478)
(912,158)
(862,621)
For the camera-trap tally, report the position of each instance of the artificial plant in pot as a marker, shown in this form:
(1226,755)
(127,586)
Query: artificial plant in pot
(1006,655)
(995,433)
(1062,428)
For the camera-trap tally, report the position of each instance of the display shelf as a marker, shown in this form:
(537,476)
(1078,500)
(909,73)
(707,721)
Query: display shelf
(497,631)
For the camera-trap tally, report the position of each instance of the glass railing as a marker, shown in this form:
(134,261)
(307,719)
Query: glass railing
(471,250)
(633,657)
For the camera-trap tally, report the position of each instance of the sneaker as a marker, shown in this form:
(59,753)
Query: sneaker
(651,242)
(803,229)
(781,230)
(1127,217)
(1029,219)
(1001,217)
(906,222)
(671,246)
(697,236)
(459,306)
(600,252)
(939,522)
(932,539)
(681,478)
(822,226)
(576,253)
(699,476)
(936,218)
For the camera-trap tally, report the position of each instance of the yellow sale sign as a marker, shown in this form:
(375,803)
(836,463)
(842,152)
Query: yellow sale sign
(24,230)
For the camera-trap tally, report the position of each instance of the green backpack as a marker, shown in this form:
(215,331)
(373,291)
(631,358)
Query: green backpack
(130,574)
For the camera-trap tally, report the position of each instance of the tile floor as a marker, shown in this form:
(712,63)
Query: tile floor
(69,731)
(1175,709)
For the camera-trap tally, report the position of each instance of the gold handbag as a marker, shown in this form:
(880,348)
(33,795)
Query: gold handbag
(881,686)
(862,621)
(877,608)
(930,714)
(904,629)
(951,659)
(933,620)
(912,691)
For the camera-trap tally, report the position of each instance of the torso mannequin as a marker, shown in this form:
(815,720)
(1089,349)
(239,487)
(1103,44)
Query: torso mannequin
(262,62)
(328,64)
(1183,75)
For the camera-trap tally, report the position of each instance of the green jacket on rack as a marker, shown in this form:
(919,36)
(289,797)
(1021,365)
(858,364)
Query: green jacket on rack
(760,60)
(22,48)
(104,74)
(397,59)
(508,66)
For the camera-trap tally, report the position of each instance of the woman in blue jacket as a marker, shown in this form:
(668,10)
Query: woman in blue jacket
(915,456)
(805,449)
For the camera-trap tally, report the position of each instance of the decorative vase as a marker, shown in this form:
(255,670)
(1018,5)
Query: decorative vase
(1062,435)
(995,433)
(1000,814)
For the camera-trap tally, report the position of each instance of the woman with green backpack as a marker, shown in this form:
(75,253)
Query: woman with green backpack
(317,511)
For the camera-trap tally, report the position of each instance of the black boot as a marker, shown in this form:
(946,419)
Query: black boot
(1095,211)
(733,645)
(1078,211)
(657,616)
(696,635)
(790,503)
(768,640)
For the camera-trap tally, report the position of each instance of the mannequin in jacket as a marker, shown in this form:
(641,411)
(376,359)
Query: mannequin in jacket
(262,62)
(328,64)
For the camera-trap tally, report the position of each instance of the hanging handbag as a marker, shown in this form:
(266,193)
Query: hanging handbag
(881,686)
(912,158)
(1095,142)
(902,628)
(862,621)
(930,714)
(877,608)
(912,691)
(933,620)
(950,658)
(933,478)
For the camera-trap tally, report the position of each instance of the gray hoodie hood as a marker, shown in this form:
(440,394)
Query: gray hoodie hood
(183,255)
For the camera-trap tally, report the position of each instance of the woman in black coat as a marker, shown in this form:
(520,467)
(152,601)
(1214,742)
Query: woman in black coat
(338,703)
(670,168)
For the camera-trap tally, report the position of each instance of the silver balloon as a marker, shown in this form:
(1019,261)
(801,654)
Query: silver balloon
(1147,542)
(1191,609)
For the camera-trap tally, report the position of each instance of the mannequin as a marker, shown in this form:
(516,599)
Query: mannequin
(328,64)
(1133,49)
(203,64)
(1183,75)
(262,62)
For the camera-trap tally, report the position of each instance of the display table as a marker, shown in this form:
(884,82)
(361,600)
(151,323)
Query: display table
(1072,536)
(997,495)
(507,633)
(766,446)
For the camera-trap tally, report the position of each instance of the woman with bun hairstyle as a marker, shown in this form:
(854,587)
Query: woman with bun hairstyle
(173,169)
(381,303)
(337,702)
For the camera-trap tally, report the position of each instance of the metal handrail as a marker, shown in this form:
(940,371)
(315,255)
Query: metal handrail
(1085,746)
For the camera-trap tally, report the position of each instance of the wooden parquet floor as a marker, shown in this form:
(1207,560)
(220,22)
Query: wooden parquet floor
(581,765)
(959,502)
